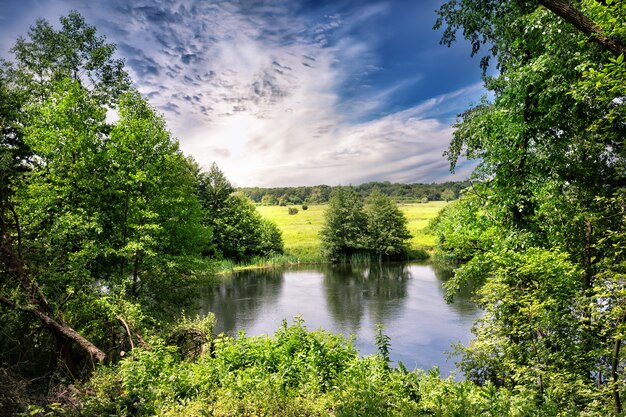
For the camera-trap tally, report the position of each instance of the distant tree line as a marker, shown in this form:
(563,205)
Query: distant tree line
(320,194)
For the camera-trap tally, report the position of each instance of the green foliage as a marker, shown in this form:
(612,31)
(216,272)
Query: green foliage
(193,337)
(344,225)
(448,195)
(529,333)
(535,233)
(74,52)
(320,194)
(268,200)
(239,231)
(214,189)
(294,373)
(383,343)
(293,210)
(463,228)
(101,219)
(352,230)
(386,232)
(118,207)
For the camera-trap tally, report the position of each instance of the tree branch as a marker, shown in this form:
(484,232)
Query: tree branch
(130,336)
(39,304)
(58,327)
(570,14)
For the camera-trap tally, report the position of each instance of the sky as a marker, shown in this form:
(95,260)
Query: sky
(289,92)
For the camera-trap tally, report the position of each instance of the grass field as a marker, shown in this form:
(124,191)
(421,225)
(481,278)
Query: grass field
(301,231)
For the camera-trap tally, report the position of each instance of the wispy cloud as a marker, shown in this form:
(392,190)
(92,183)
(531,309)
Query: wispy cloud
(276,96)
(406,146)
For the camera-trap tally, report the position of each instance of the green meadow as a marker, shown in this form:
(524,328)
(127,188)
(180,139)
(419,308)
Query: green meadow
(301,230)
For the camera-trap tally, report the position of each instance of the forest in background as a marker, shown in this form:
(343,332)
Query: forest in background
(320,194)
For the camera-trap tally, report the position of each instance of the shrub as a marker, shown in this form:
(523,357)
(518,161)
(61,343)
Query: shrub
(293,210)
(294,373)
(344,225)
(386,234)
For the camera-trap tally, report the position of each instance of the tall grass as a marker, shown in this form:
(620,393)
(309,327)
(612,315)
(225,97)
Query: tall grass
(226,266)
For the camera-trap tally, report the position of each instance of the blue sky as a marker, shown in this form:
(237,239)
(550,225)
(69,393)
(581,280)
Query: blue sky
(289,92)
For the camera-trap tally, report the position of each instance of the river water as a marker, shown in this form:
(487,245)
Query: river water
(406,298)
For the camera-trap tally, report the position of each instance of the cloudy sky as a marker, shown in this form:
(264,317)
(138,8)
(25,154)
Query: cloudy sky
(289,92)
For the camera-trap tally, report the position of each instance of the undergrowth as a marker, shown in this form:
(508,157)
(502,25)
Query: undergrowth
(296,372)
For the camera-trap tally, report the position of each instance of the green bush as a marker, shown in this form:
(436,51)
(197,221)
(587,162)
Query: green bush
(294,373)
(293,210)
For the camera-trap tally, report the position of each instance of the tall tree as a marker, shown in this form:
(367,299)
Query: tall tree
(386,233)
(214,188)
(33,79)
(239,231)
(552,163)
(74,52)
(344,224)
(89,209)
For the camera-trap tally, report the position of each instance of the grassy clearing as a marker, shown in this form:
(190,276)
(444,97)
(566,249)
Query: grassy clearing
(418,216)
(301,230)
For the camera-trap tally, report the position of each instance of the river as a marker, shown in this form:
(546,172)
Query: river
(406,298)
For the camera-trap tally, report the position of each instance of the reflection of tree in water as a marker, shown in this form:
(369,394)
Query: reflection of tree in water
(349,289)
(344,294)
(241,297)
(463,298)
(386,287)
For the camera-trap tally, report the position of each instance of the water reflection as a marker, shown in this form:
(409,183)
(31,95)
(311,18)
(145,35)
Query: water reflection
(241,296)
(463,297)
(406,298)
(353,290)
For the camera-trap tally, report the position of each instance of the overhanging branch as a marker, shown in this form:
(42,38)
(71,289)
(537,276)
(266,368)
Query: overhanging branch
(571,14)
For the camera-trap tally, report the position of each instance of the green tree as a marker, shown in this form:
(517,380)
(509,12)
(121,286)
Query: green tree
(91,209)
(214,188)
(151,191)
(268,200)
(344,225)
(239,231)
(551,168)
(448,195)
(386,233)
(42,65)
(74,52)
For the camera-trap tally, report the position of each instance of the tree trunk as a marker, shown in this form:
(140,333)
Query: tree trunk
(58,328)
(570,14)
(614,364)
(38,304)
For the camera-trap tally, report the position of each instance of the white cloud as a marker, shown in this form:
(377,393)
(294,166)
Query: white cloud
(257,90)
(402,147)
